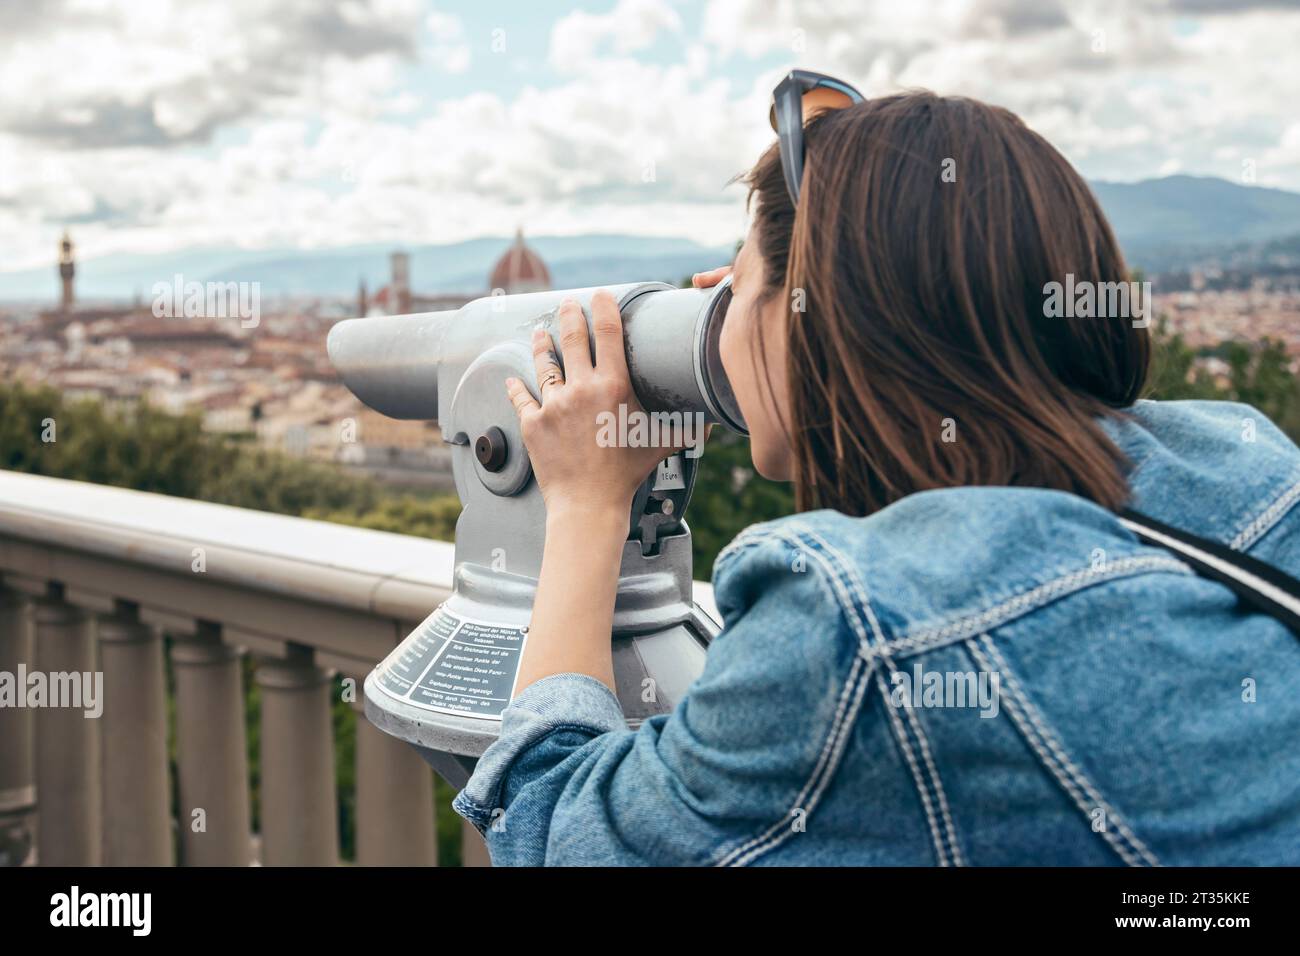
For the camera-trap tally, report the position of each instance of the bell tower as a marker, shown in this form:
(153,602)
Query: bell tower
(400,283)
(67,270)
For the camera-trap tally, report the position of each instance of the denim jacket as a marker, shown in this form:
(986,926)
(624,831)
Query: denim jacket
(971,676)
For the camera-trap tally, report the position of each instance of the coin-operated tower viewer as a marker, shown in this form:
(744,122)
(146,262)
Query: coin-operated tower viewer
(443,689)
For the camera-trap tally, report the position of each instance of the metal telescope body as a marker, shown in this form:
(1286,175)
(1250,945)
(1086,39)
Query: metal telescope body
(443,689)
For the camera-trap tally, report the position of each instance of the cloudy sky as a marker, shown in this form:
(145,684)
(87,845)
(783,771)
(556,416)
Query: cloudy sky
(149,125)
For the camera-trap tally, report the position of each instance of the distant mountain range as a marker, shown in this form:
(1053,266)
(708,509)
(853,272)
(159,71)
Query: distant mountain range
(1175,222)
(574,261)
(1163,224)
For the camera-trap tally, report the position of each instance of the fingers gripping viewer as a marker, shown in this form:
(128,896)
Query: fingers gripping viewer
(587,489)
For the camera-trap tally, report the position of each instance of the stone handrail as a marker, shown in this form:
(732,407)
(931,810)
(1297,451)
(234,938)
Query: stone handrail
(96,580)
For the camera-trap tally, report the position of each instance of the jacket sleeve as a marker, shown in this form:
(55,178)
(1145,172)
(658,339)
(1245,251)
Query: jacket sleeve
(725,776)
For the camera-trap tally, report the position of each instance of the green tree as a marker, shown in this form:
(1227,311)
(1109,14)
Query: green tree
(433,517)
(1257,373)
(728,497)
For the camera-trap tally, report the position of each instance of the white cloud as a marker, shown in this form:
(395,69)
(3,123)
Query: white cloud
(632,25)
(90,75)
(154,125)
(1120,87)
(449,50)
(568,158)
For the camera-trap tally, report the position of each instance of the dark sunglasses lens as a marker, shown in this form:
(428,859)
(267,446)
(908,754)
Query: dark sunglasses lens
(814,101)
(822,98)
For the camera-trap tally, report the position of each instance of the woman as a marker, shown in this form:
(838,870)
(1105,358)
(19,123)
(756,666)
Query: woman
(956,652)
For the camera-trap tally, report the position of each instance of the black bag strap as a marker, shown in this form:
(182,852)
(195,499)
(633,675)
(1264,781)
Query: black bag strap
(1264,587)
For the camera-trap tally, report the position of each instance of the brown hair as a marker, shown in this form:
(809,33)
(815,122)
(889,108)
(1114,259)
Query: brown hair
(923,307)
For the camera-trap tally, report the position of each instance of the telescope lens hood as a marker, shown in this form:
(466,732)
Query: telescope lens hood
(711,377)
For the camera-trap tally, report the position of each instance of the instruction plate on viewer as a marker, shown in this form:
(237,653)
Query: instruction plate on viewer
(455,665)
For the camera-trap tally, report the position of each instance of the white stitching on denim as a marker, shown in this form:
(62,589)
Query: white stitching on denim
(754,534)
(851,570)
(834,562)
(1018,699)
(933,637)
(923,744)
(922,782)
(811,792)
(831,562)
(990,618)
(810,795)
(848,579)
(1058,749)
(923,791)
(778,833)
(1063,779)
(1267,519)
(844,567)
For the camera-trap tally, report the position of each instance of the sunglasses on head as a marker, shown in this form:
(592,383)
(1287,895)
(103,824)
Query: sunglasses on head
(799,97)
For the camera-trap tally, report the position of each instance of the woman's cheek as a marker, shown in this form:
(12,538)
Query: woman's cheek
(738,347)
(734,348)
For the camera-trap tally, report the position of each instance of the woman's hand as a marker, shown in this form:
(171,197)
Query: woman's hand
(576,465)
(587,481)
(707,280)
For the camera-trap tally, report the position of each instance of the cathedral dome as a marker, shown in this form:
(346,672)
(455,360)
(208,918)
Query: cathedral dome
(520,269)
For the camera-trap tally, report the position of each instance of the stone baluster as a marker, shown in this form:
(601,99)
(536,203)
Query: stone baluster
(299,799)
(68,786)
(212,756)
(395,815)
(17,764)
(137,804)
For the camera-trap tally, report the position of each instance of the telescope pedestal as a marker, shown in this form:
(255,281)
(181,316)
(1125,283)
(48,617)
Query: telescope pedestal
(443,689)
